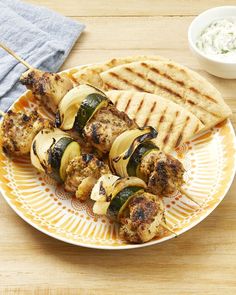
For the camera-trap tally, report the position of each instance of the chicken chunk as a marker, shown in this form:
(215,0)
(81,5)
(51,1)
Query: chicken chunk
(82,173)
(18,130)
(142,218)
(105,126)
(163,173)
(49,88)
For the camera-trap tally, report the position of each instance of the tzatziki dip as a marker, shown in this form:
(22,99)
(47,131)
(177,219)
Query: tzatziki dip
(219,39)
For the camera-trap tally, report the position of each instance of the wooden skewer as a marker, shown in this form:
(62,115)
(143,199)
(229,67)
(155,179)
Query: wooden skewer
(167,228)
(30,67)
(181,190)
(11,52)
(2,113)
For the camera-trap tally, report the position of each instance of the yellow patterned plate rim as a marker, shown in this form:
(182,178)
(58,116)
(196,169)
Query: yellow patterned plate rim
(220,141)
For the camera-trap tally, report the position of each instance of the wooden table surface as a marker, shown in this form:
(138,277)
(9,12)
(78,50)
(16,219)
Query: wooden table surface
(203,260)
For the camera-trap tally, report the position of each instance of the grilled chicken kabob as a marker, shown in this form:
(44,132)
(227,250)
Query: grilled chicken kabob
(101,123)
(125,200)
(87,110)
(54,152)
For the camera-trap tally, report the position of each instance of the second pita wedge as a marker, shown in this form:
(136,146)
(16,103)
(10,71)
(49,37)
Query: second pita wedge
(91,74)
(173,82)
(175,125)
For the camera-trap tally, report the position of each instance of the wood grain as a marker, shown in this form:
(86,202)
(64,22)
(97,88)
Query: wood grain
(129,8)
(203,260)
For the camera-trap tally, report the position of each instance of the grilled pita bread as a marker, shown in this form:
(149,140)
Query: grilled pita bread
(175,125)
(91,74)
(173,82)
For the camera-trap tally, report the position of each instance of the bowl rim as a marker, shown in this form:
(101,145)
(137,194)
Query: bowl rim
(193,45)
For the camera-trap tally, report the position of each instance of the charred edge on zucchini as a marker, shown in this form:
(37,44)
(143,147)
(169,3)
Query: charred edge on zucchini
(87,158)
(55,155)
(119,200)
(137,156)
(58,120)
(87,109)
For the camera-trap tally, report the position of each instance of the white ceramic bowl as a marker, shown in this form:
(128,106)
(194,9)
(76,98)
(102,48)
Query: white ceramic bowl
(213,65)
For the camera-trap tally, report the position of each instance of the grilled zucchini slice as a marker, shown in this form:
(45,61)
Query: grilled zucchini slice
(59,156)
(90,105)
(42,144)
(119,202)
(142,150)
(124,146)
(71,103)
(112,194)
(71,151)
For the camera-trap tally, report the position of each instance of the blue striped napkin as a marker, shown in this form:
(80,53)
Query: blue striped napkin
(40,36)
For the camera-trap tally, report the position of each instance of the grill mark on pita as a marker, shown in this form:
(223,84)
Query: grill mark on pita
(168,77)
(110,86)
(165,88)
(180,137)
(73,77)
(127,82)
(178,68)
(181,83)
(165,140)
(196,129)
(171,66)
(135,86)
(127,105)
(202,121)
(139,108)
(152,82)
(168,90)
(150,113)
(135,73)
(204,95)
(189,101)
(210,98)
(149,80)
(161,118)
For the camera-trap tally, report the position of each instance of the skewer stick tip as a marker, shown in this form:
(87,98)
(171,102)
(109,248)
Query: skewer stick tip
(181,190)
(11,52)
(165,226)
(2,113)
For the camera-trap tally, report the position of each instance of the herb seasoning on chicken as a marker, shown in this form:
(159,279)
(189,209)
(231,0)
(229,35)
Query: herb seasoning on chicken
(82,173)
(105,126)
(49,88)
(18,131)
(52,151)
